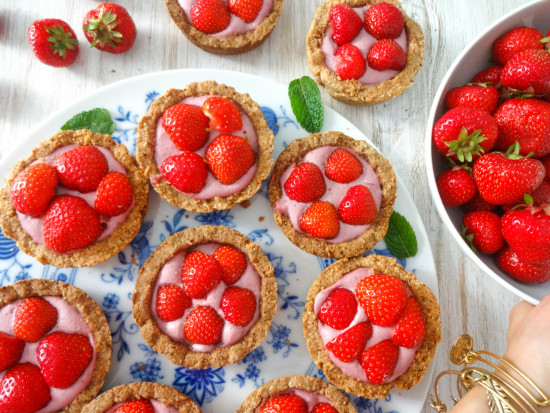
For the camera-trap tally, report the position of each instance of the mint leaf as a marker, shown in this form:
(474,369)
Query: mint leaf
(306,103)
(97,120)
(400,238)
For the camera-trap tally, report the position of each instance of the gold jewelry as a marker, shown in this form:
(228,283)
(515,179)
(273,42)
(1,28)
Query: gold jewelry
(505,392)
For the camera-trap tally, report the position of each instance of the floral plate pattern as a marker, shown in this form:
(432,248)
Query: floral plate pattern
(111,284)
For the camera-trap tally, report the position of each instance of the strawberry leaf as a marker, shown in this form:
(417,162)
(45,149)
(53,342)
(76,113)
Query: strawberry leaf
(97,120)
(305,99)
(400,238)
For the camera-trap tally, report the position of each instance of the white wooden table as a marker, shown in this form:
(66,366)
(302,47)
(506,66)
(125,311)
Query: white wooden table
(30,91)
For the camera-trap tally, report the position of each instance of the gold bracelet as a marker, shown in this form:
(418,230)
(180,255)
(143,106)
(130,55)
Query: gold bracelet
(505,393)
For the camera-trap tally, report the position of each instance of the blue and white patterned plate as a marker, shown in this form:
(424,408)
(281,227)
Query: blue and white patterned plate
(111,284)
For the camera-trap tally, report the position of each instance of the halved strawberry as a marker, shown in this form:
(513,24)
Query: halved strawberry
(81,168)
(320,220)
(33,189)
(379,361)
(136,406)
(63,357)
(358,206)
(203,325)
(172,302)
(223,114)
(210,16)
(11,349)
(323,408)
(186,125)
(229,158)
(246,10)
(384,21)
(186,171)
(200,274)
(232,261)
(34,317)
(238,305)
(411,327)
(351,343)
(114,195)
(386,54)
(23,389)
(339,309)
(343,167)
(346,24)
(305,183)
(285,403)
(350,62)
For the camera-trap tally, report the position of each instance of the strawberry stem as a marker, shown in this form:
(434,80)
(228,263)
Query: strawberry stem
(467,145)
(513,152)
(102,30)
(61,40)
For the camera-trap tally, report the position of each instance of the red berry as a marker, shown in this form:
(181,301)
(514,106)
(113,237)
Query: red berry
(223,114)
(33,189)
(172,302)
(527,232)
(384,20)
(343,167)
(514,41)
(477,203)
(285,403)
(411,327)
(136,406)
(358,206)
(456,186)
(238,305)
(320,220)
(186,125)
(186,172)
(203,325)
(210,16)
(23,390)
(379,361)
(489,75)
(114,195)
(346,24)
(323,408)
(109,28)
(383,297)
(229,158)
(11,349)
(34,317)
(305,183)
(53,42)
(200,274)
(351,343)
(81,168)
(527,272)
(480,97)
(484,231)
(339,309)
(528,72)
(70,223)
(246,10)
(232,261)
(386,54)
(541,195)
(350,63)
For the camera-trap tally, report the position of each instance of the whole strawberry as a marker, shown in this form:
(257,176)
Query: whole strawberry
(23,389)
(186,171)
(350,62)
(81,168)
(53,42)
(528,72)
(229,158)
(246,10)
(11,349)
(346,24)
(187,126)
(305,183)
(515,41)
(477,203)
(223,113)
(358,206)
(339,309)
(323,408)
(379,361)
(238,306)
(343,167)
(527,272)
(506,178)
(527,232)
(109,28)
(386,54)
(200,274)
(33,189)
(136,406)
(541,195)
(483,230)
(210,16)
(34,317)
(491,75)
(172,302)
(232,261)
(411,327)
(384,21)
(203,325)
(480,96)
(351,343)
(383,297)
(456,186)
(114,195)
(286,403)
(320,220)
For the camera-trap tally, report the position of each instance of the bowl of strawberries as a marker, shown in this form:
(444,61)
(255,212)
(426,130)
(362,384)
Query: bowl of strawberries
(487,150)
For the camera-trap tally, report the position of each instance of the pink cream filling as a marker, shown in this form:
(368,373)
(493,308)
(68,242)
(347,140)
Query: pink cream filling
(34,225)
(171,274)
(363,41)
(334,194)
(68,321)
(159,407)
(353,369)
(311,398)
(164,147)
(236,25)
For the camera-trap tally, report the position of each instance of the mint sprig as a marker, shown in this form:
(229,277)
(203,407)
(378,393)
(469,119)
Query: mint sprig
(97,120)
(400,238)
(305,100)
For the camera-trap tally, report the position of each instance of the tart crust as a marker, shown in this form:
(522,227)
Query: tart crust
(307,383)
(425,353)
(229,45)
(142,390)
(352,91)
(178,352)
(98,251)
(88,310)
(293,153)
(147,138)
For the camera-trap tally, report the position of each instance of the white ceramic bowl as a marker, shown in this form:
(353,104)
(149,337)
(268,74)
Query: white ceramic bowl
(474,58)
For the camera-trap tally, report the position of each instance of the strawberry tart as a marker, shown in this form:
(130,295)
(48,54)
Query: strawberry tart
(77,200)
(226,26)
(142,397)
(332,195)
(371,325)
(55,347)
(364,52)
(205,147)
(205,297)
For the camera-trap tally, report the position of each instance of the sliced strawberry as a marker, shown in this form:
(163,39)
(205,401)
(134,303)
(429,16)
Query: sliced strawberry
(285,403)
(323,408)
(186,172)
(379,361)
(23,390)
(172,302)
(11,349)
(34,317)
(350,62)
(350,344)
(483,230)
(343,167)
(33,189)
(346,24)
(383,298)
(232,261)
(456,186)
(200,274)
(70,223)
(210,16)
(246,10)
(527,272)
(358,206)
(81,168)
(203,325)
(114,195)
(229,158)
(480,96)
(238,305)
(411,327)
(320,220)
(136,406)
(514,41)
(386,54)
(186,125)
(490,75)
(339,309)
(384,21)
(223,114)
(528,72)
(63,357)
(305,183)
